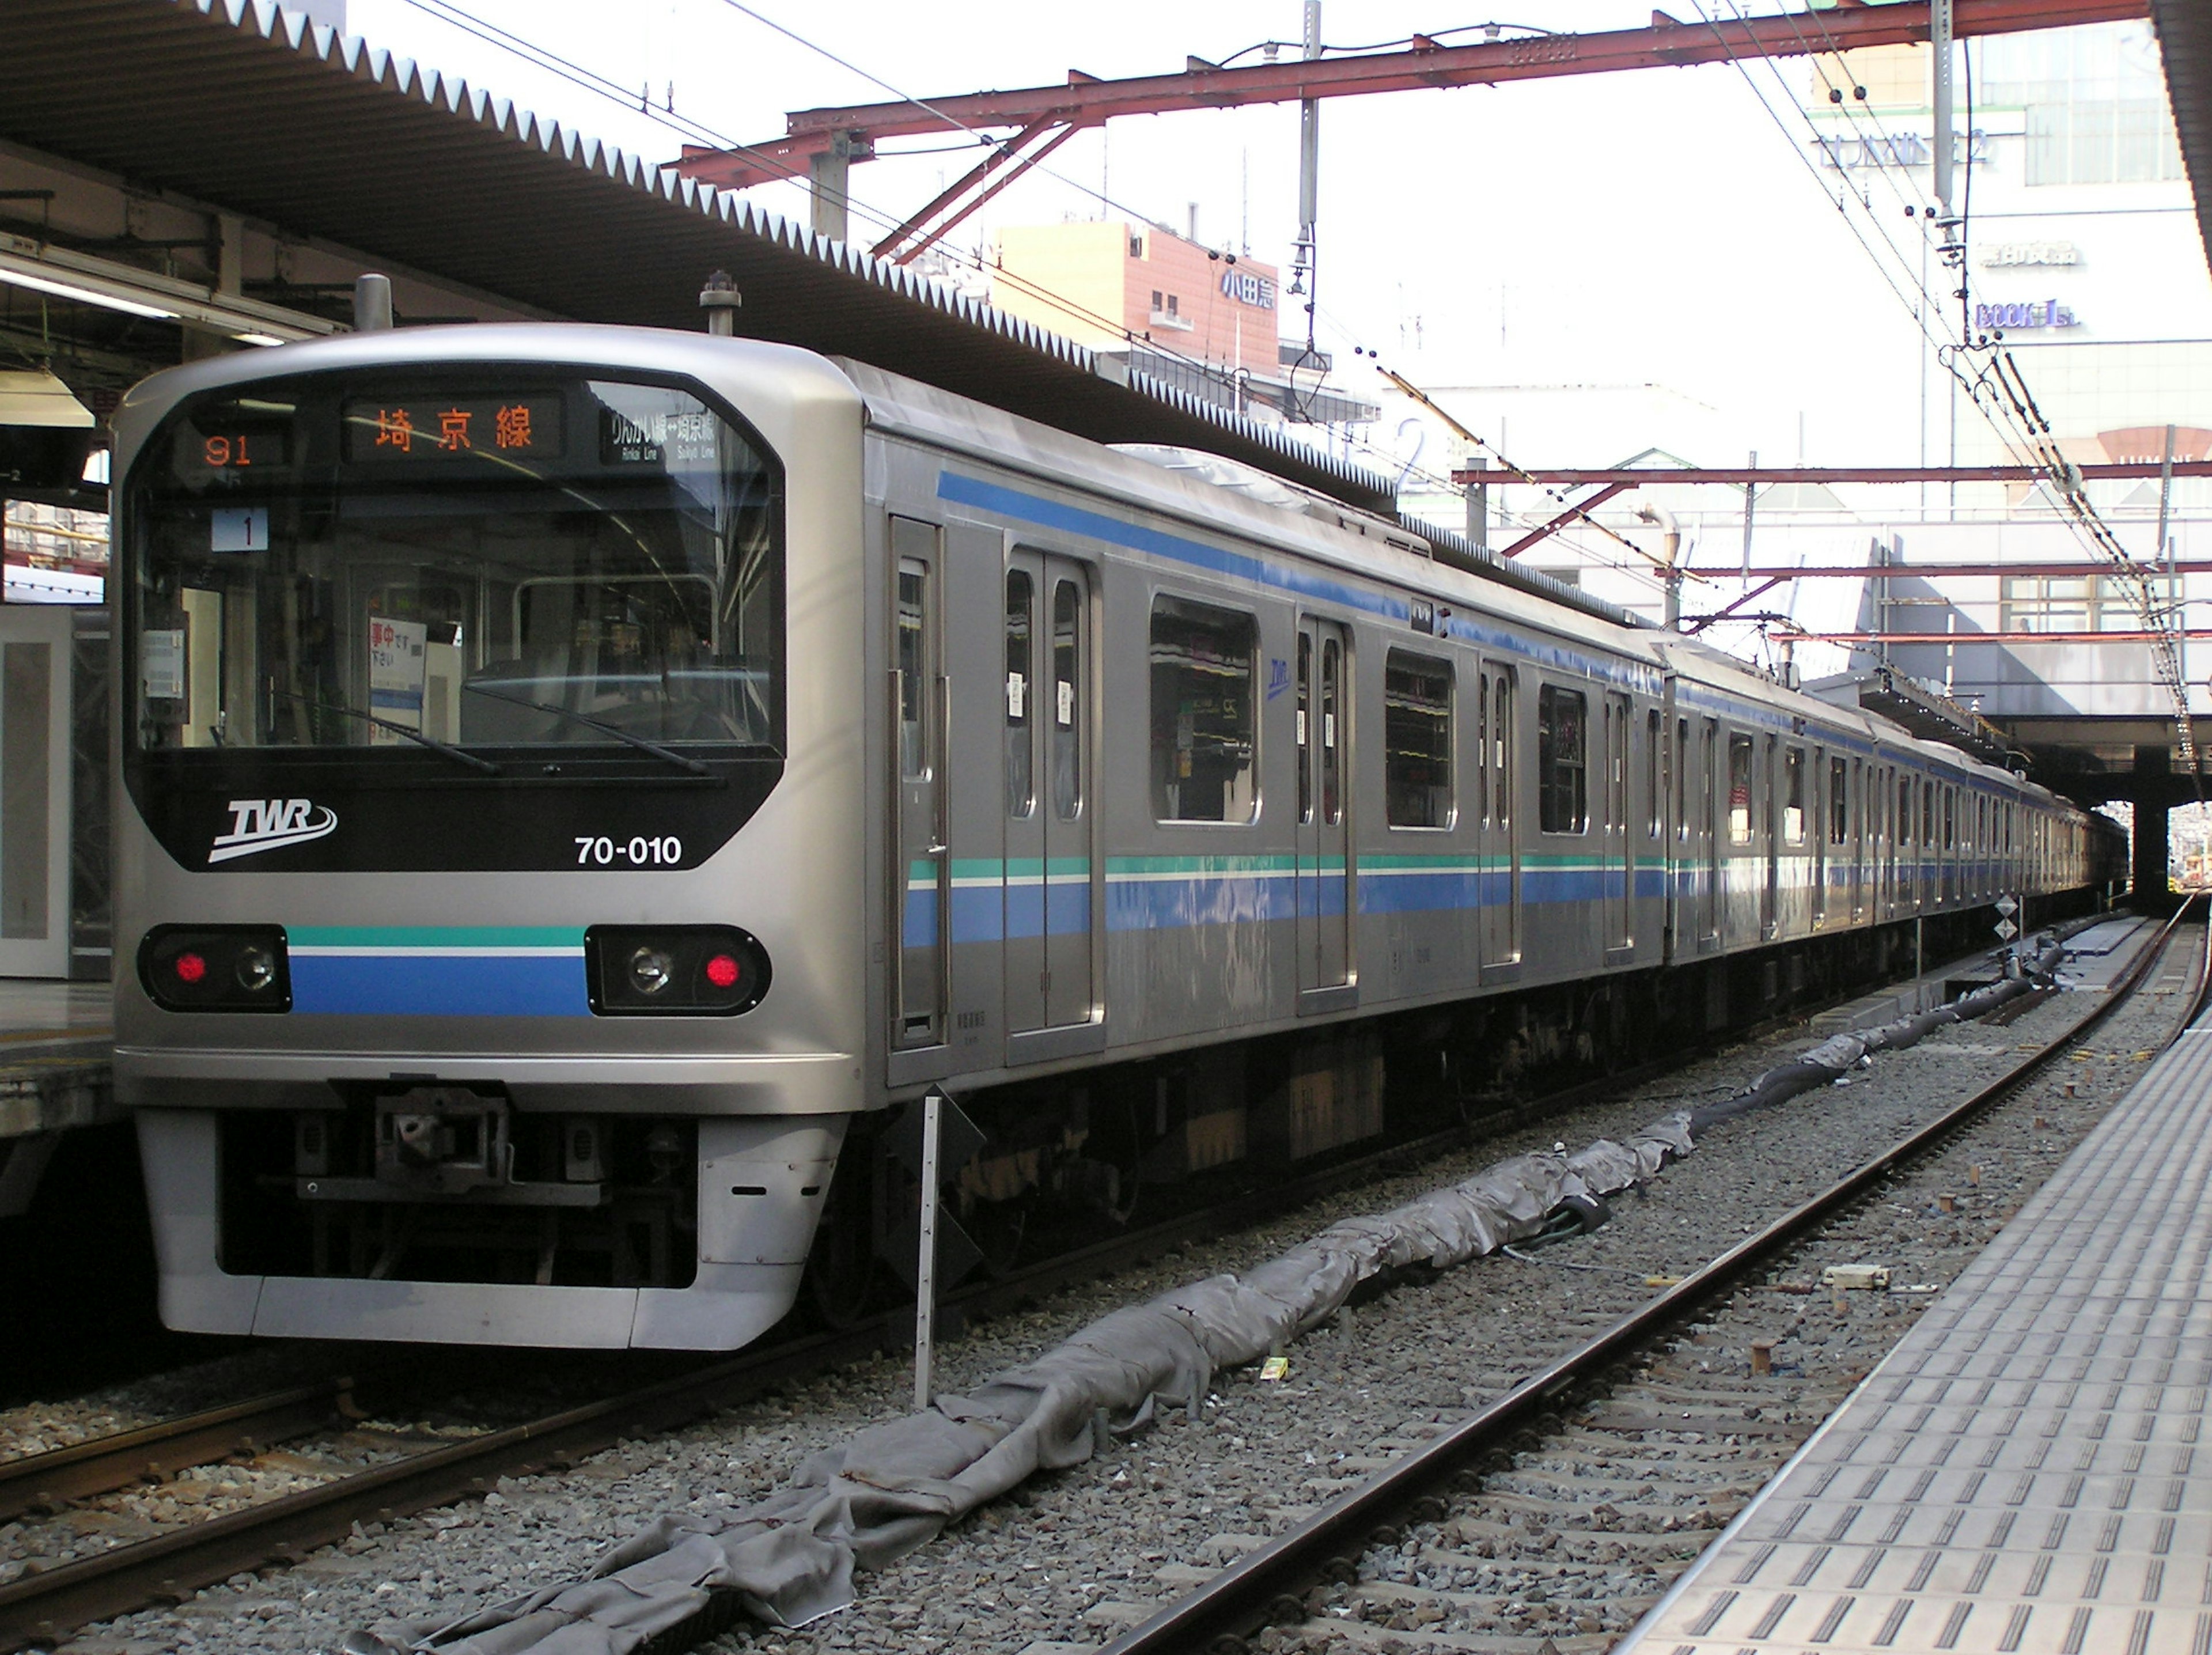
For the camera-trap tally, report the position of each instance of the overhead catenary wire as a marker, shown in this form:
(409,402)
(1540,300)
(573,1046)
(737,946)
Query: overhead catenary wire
(2012,414)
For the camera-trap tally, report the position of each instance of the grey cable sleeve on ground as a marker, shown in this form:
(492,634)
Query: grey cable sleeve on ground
(790,1558)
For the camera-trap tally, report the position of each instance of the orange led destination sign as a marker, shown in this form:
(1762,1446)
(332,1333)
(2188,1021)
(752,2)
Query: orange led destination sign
(436,429)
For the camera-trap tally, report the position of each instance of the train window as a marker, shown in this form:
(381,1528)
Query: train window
(1654,788)
(1682,779)
(1202,733)
(1482,747)
(1562,760)
(1839,801)
(1305,727)
(1417,740)
(1950,817)
(1927,814)
(1067,700)
(1793,795)
(1021,794)
(1501,738)
(1740,749)
(913,680)
(493,557)
(1332,731)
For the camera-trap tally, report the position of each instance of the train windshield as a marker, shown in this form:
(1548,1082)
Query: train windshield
(456,566)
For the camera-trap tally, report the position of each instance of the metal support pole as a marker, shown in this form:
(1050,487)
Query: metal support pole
(925,1287)
(1919,965)
(829,174)
(2164,549)
(1478,503)
(1940,34)
(1750,493)
(1303,276)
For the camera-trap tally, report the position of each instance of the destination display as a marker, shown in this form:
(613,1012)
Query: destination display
(232,448)
(433,430)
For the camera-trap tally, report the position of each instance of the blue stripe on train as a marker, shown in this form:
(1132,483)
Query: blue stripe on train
(441,985)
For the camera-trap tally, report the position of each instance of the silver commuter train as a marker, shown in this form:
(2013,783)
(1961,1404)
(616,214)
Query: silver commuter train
(575,772)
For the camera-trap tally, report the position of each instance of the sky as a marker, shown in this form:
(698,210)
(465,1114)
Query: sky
(1657,227)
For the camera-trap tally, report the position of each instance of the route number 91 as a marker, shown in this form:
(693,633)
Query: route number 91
(639,851)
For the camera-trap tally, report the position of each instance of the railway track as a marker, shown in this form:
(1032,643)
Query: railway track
(43,1607)
(1550,1519)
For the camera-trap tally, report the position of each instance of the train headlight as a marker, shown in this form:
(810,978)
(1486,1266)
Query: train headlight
(651,970)
(682,971)
(215,968)
(256,968)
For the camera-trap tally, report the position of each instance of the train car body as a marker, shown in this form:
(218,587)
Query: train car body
(571,774)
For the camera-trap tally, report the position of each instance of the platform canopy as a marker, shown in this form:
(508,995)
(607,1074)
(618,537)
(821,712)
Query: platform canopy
(255,111)
(2184,38)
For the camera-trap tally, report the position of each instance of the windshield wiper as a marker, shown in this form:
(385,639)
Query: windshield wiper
(460,755)
(637,742)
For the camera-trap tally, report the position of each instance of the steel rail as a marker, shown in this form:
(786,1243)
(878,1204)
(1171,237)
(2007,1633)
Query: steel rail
(1264,1586)
(101,1464)
(47,1606)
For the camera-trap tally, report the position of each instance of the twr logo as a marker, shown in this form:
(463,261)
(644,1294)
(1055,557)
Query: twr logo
(259,824)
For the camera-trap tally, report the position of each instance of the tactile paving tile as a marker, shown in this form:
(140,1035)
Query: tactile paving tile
(2023,1475)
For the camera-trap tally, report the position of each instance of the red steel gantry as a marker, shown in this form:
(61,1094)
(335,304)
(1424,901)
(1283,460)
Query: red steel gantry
(820,144)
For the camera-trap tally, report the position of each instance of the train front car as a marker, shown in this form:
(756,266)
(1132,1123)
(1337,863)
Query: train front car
(487,890)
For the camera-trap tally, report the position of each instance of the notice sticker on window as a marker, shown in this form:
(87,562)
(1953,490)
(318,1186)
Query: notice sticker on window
(162,663)
(238,528)
(397,671)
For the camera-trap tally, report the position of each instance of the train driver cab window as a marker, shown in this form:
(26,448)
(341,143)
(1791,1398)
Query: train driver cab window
(1740,752)
(1417,740)
(1562,760)
(1793,796)
(1202,725)
(397,572)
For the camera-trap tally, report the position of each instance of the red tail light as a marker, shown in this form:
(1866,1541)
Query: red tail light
(189,967)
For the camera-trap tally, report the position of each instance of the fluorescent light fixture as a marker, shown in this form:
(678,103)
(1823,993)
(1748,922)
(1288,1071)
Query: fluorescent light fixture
(85,295)
(80,277)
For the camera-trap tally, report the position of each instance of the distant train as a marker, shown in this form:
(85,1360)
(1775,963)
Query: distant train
(575,774)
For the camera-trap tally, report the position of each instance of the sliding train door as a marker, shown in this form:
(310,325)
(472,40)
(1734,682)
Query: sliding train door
(1499,879)
(1326,912)
(1049,918)
(922,865)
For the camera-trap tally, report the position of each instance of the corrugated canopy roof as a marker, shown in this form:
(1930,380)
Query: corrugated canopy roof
(260,113)
(2184,40)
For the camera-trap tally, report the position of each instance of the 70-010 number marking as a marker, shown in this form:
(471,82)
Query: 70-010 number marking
(639,851)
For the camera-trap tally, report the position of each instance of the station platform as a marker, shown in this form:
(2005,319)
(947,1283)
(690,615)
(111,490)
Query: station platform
(2022,1475)
(56,1041)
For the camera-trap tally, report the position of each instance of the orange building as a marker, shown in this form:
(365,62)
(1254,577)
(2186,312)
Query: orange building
(1105,284)
(1208,323)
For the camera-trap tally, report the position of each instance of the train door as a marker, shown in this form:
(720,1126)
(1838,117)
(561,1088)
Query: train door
(1326,911)
(1709,829)
(1614,844)
(1769,886)
(922,867)
(1676,826)
(1047,890)
(1499,882)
